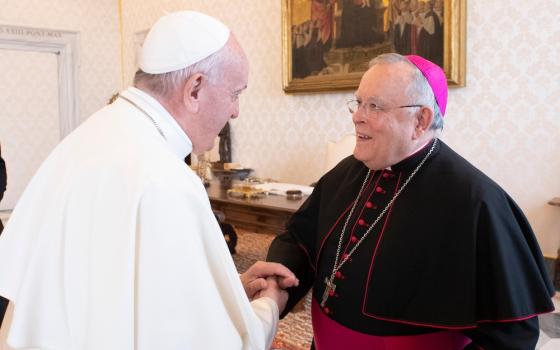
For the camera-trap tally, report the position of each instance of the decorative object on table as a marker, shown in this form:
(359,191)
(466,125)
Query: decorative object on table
(294,194)
(234,174)
(245,191)
(327,44)
(281,189)
(226,173)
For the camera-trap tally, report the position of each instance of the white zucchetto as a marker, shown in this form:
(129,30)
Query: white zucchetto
(180,39)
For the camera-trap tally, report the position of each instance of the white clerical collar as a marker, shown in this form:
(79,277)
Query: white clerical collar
(177,139)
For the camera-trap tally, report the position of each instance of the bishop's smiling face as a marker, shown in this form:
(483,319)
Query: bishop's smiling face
(384,136)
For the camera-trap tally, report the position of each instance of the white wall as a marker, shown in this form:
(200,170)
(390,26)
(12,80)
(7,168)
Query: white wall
(99,41)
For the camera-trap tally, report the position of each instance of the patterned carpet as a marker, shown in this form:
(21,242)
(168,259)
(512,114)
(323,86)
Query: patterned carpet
(294,331)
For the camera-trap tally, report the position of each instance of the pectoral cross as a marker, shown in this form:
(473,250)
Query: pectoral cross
(329,286)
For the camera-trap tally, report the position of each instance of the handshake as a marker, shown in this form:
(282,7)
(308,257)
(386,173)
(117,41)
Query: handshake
(267,279)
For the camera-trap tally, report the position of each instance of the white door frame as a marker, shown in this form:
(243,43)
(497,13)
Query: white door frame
(65,45)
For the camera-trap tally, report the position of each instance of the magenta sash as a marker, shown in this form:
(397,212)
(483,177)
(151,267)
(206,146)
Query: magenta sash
(330,335)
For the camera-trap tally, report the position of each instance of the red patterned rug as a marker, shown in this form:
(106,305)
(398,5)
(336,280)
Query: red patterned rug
(294,331)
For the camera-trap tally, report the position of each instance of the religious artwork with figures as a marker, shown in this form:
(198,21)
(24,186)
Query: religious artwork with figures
(336,39)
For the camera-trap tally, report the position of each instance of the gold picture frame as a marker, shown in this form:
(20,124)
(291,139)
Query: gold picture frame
(317,51)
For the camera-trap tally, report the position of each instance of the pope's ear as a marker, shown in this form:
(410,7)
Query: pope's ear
(191,92)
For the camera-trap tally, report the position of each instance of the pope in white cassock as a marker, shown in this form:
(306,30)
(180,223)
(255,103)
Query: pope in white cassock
(113,244)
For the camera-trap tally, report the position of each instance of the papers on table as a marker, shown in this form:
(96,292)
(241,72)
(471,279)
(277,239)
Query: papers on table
(280,188)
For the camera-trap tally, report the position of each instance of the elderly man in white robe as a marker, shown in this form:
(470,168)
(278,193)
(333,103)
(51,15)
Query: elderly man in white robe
(113,245)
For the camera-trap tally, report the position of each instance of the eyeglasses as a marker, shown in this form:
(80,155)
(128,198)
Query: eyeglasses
(372,107)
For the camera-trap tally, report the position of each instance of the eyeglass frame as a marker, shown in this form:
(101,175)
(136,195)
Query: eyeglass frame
(372,110)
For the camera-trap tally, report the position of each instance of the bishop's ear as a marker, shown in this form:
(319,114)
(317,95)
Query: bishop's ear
(191,92)
(424,119)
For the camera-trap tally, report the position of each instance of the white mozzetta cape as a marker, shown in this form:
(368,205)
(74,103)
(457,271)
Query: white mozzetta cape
(113,245)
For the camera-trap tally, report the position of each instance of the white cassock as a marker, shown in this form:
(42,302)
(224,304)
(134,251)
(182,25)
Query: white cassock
(113,245)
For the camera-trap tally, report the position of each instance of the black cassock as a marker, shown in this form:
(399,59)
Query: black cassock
(454,252)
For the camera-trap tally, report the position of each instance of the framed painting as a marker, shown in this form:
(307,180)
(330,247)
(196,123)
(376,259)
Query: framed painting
(327,44)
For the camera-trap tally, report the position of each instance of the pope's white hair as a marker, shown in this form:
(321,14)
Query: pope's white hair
(165,84)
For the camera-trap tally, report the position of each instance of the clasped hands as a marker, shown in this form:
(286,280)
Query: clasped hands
(267,279)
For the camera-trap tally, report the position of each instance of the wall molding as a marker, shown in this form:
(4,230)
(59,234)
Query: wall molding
(65,45)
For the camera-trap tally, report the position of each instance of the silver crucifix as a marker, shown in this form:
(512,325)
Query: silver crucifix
(329,285)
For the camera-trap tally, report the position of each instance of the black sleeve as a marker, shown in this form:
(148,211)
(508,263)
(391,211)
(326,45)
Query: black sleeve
(518,335)
(295,248)
(285,250)
(3,178)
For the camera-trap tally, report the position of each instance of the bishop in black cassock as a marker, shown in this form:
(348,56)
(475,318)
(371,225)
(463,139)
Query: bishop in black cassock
(448,263)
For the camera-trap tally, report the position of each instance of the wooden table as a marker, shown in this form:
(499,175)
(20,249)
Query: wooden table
(268,214)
